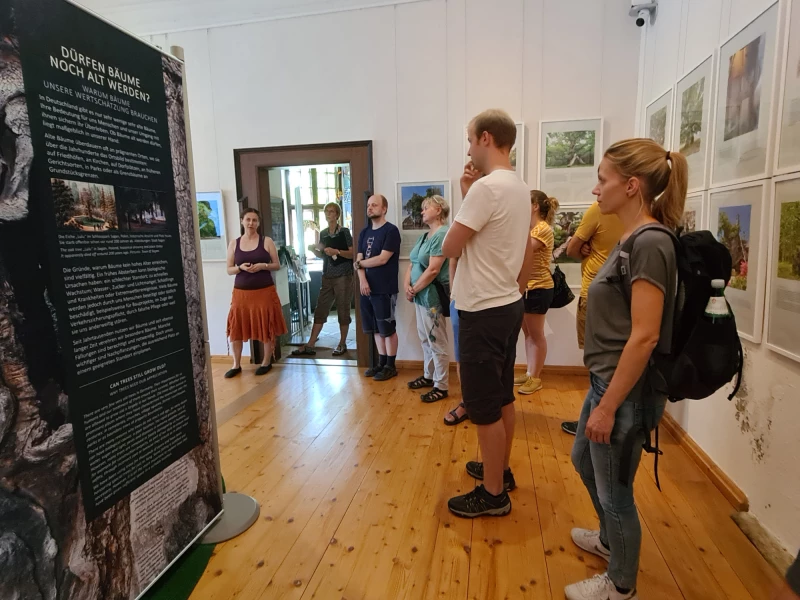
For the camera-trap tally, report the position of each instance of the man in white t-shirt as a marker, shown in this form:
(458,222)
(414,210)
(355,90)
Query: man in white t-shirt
(490,239)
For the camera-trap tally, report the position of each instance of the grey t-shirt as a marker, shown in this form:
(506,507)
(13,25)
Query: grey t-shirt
(608,316)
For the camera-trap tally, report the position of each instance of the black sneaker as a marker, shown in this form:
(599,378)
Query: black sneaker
(475,469)
(570,427)
(372,371)
(385,374)
(480,503)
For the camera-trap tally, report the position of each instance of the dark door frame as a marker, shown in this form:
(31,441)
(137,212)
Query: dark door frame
(252,186)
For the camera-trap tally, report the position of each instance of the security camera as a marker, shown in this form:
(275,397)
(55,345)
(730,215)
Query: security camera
(644,13)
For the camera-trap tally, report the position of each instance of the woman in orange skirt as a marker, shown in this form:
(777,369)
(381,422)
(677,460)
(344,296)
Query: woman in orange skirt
(255,308)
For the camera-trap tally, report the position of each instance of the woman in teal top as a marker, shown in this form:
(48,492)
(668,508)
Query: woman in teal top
(427,285)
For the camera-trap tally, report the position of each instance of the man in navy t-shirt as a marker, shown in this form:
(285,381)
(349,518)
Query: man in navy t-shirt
(377,265)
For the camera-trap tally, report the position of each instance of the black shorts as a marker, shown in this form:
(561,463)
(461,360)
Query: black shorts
(378,314)
(488,347)
(537,302)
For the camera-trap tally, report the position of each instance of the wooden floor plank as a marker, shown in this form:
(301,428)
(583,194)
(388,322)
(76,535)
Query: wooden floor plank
(353,477)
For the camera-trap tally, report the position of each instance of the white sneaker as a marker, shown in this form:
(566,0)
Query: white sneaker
(598,587)
(589,540)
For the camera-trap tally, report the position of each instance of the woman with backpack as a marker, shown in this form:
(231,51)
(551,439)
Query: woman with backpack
(644,185)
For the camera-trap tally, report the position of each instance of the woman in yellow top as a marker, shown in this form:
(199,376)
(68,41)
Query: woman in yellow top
(539,294)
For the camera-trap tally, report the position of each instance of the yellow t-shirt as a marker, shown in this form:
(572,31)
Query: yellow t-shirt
(540,278)
(603,232)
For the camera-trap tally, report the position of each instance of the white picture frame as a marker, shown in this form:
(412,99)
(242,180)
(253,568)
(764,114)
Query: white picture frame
(697,86)
(745,206)
(658,120)
(743,131)
(566,222)
(213,248)
(561,177)
(782,318)
(410,226)
(517,154)
(787,134)
(694,212)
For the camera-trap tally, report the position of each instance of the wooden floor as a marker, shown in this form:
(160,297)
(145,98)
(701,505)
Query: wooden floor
(353,477)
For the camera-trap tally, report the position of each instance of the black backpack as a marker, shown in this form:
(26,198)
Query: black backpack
(703,356)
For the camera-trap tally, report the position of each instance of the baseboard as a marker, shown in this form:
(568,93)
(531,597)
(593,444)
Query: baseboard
(548,369)
(723,483)
(219,358)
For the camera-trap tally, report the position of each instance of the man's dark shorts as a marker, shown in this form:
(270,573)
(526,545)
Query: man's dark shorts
(378,314)
(488,347)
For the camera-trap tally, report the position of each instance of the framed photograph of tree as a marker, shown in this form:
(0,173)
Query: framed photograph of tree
(569,154)
(658,119)
(737,217)
(787,156)
(564,226)
(410,197)
(691,129)
(783,284)
(746,74)
(211,219)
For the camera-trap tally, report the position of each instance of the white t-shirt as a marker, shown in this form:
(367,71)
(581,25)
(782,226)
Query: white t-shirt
(498,208)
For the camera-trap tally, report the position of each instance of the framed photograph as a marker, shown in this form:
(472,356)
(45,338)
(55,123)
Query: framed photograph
(658,119)
(746,76)
(517,155)
(691,129)
(569,154)
(211,219)
(737,219)
(564,227)
(787,156)
(410,197)
(783,283)
(694,212)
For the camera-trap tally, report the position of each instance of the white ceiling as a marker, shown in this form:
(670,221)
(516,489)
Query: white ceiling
(145,17)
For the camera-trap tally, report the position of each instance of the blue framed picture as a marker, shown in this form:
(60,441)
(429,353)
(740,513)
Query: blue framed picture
(211,222)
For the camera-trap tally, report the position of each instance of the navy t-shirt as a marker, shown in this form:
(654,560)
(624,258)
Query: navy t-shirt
(371,242)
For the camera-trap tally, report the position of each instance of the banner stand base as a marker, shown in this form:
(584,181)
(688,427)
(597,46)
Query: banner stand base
(241,511)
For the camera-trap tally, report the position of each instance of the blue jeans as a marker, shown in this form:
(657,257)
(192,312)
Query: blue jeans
(599,468)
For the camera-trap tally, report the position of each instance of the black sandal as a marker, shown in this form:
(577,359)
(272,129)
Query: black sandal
(304,351)
(420,382)
(456,419)
(434,395)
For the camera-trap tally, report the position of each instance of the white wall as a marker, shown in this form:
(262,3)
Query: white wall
(754,439)
(408,77)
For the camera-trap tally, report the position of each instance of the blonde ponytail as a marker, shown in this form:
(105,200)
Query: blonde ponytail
(547,206)
(663,176)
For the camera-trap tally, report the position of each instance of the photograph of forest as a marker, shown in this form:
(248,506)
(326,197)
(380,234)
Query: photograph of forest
(81,206)
(141,210)
(568,149)
(658,126)
(734,231)
(789,242)
(564,227)
(743,104)
(692,118)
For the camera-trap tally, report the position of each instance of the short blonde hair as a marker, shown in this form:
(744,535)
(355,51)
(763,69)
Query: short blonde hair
(498,124)
(440,202)
(333,205)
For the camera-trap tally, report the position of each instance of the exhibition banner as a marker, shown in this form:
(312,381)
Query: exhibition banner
(107,464)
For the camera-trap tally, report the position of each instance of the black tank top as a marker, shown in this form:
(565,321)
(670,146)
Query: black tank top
(252,281)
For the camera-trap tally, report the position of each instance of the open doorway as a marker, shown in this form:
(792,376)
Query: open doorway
(303,194)
(290,186)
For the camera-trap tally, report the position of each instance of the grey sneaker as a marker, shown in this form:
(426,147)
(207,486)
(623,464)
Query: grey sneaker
(589,540)
(480,503)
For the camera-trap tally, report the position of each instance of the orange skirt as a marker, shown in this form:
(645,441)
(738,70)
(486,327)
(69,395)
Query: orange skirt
(255,315)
